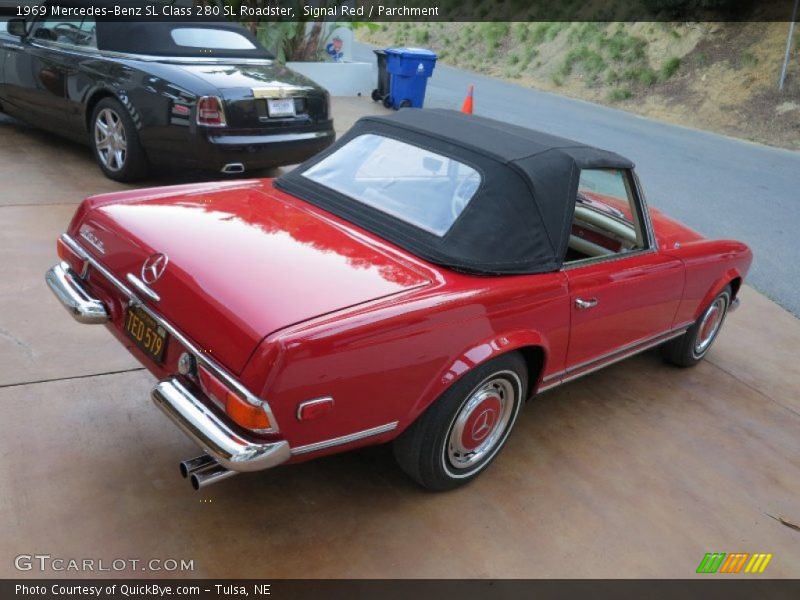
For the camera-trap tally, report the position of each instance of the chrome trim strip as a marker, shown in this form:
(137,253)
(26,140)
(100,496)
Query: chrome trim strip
(67,287)
(624,355)
(345,439)
(250,140)
(111,54)
(201,357)
(142,287)
(604,360)
(212,434)
(624,348)
(546,386)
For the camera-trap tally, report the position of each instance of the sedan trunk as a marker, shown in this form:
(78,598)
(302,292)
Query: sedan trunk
(244,260)
(265,96)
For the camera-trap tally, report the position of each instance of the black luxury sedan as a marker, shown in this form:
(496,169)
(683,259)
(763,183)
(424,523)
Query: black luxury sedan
(201,95)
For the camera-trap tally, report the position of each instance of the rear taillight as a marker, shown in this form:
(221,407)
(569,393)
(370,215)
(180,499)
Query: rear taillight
(210,112)
(242,412)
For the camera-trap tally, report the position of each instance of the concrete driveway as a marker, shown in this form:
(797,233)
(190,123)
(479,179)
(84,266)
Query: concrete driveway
(635,471)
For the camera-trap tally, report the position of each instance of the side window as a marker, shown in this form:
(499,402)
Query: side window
(607,221)
(74,33)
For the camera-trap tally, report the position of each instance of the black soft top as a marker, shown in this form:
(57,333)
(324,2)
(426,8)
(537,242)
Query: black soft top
(519,219)
(151,36)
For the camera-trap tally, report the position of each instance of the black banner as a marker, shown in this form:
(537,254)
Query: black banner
(405,10)
(727,588)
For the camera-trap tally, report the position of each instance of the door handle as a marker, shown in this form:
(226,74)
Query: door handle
(582,304)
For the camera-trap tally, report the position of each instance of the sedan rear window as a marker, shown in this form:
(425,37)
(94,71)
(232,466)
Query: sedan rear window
(412,184)
(215,39)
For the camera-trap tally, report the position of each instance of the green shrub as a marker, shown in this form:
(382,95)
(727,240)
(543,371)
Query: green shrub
(421,35)
(619,94)
(670,67)
(521,32)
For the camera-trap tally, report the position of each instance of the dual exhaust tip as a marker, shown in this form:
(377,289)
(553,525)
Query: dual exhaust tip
(232,168)
(203,471)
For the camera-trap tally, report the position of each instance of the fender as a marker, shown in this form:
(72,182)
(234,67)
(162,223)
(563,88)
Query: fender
(477,355)
(99,92)
(718,286)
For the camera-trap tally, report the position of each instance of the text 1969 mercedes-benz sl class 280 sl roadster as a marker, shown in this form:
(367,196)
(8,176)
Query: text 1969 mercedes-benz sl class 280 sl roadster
(416,282)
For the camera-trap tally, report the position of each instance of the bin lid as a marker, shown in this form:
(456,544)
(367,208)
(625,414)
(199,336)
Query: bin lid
(413,53)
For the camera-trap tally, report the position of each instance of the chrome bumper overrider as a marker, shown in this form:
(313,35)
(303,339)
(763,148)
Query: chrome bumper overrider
(68,288)
(213,435)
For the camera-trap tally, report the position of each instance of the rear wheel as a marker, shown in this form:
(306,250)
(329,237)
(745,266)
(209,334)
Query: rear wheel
(116,143)
(460,434)
(690,348)
(376,96)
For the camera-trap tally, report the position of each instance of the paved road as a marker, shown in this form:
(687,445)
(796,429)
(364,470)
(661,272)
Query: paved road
(720,186)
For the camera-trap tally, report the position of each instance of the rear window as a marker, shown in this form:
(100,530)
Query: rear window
(417,186)
(214,39)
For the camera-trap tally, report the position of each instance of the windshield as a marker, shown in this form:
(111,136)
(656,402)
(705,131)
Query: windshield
(417,186)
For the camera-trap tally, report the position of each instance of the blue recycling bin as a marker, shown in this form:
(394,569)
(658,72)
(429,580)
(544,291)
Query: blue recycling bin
(409,69)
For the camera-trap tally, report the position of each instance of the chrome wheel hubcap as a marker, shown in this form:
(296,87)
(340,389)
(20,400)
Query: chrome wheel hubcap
(709,325)
(110,140)
(481,423)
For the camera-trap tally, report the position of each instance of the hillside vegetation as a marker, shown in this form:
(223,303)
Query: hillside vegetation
(717,76)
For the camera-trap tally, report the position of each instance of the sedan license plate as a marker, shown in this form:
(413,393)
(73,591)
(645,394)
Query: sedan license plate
(281,107)
(149,336)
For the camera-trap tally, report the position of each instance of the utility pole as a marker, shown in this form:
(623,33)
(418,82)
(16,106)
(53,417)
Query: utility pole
(788,46)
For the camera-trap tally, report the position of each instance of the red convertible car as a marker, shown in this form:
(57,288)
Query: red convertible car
(415,283)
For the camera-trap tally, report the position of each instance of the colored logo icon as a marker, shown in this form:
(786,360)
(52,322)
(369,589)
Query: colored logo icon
(738,562)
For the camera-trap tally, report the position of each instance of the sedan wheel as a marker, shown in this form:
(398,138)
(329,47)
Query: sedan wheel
(116,142)
(460,434)
(110,140)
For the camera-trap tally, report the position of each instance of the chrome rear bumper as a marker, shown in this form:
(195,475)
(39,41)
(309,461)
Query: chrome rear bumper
(68,288)
(213,435)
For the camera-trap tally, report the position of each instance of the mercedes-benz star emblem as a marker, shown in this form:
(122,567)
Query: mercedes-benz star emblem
(483,424)
(154,267)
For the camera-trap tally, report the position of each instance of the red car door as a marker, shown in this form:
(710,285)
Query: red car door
(623,293)
(620,304)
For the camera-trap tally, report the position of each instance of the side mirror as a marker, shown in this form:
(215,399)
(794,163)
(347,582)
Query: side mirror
(16,27)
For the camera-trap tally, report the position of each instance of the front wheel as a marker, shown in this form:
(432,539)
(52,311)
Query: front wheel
(460,434)
(116,143)
(690,348)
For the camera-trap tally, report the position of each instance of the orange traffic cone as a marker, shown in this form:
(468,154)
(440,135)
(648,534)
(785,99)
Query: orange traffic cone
(467,106)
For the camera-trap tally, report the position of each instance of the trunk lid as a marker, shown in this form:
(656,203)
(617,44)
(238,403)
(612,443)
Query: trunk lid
(247,88)
(244,260)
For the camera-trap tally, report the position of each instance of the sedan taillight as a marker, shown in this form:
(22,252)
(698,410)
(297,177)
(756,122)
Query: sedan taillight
(210,112)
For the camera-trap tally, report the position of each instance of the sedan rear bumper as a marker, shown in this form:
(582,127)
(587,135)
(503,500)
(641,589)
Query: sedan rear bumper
(212,434)
(213,150)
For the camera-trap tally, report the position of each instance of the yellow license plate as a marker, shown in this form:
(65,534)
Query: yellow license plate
(149,336)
